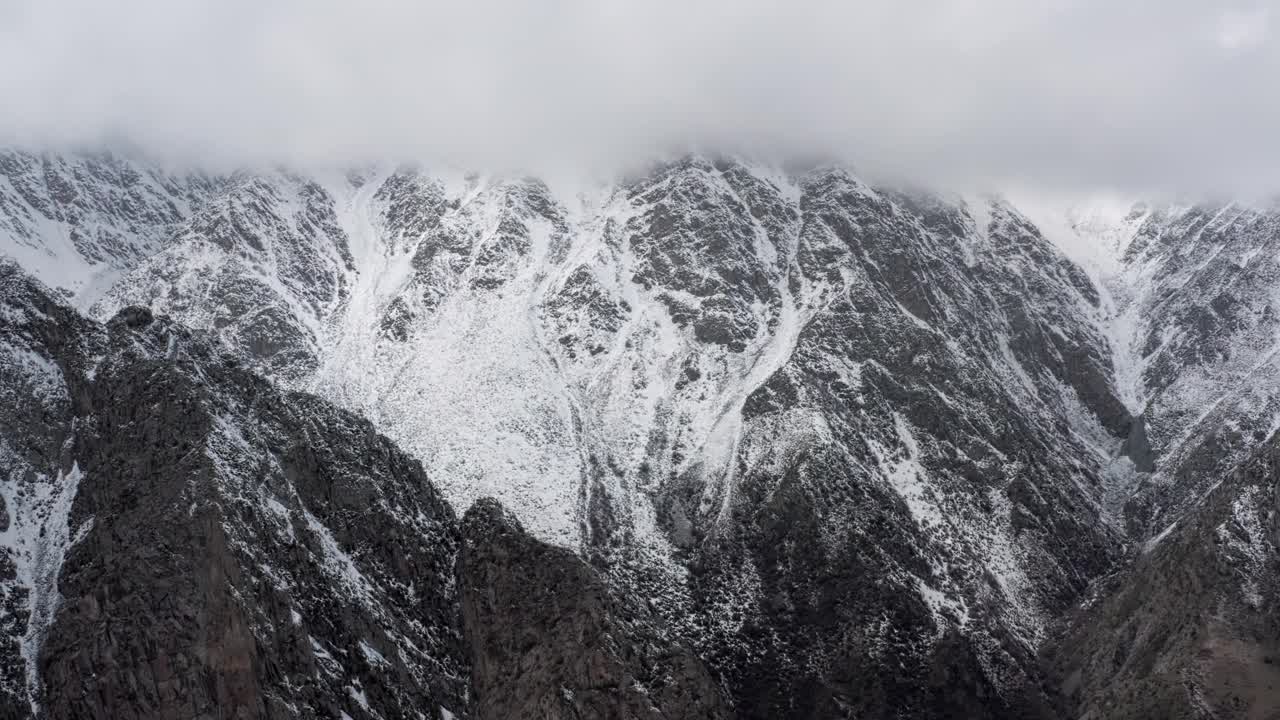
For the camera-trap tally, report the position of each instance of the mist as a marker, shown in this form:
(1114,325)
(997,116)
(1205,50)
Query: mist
(1176,95)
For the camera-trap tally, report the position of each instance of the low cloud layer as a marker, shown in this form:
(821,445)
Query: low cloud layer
(1170,94)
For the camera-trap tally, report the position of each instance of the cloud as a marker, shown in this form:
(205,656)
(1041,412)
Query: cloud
(1240,30)
(1129,93)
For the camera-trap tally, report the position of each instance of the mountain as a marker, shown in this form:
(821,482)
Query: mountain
(1188,630)
(80,220)
(1196,288)
(195,539)
(183,539)
(780,442)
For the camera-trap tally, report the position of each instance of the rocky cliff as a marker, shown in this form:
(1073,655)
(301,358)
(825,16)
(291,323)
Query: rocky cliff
(771,441)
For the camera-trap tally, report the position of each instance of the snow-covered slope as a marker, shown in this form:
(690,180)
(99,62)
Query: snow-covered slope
(1195,302)
(838,436)
(638,368)
(78,221)
(1196,292)
(264,264)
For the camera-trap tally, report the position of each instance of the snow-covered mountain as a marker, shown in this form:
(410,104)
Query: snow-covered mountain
(861,450)
(81,220)
(184,539)
(1201,293)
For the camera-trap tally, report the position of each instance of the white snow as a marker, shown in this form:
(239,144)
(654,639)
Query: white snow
(38,539)
(327,662)
(374,657)
(51,254)
(946,609)
(336,562)
(481,392)
(901,467)
(1244,533)
(358,695)
(721,447)
(43,377)
(1095,232)
(472,393)
(1004,560)
(1159,537)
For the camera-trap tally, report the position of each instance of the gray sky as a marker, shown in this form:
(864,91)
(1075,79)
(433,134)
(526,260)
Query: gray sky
(1174,94)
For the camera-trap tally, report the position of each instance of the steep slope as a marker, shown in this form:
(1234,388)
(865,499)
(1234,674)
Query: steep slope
(181,538)
(197,540)
(1211,359)
(792,384)
(264,265)
(1190,630)
(859,448)
(917,489)
(1194,310)
(1194,317)
(78,221)
(549,639)
(42,341)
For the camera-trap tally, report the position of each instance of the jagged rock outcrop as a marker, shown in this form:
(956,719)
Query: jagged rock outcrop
(183,539)
(43,342)
(205,545)
(549,638)
(262,265)
(80,220)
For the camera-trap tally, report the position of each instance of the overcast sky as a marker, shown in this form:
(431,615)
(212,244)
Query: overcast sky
(1176,94)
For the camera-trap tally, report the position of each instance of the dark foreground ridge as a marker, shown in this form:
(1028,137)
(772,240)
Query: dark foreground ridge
(224,549)
(549,639)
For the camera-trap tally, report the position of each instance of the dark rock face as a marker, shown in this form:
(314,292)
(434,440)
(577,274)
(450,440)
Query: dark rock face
(697,238)
(134,317)
(549,639)
(216,548)
(872,554)
(43,343)
(1192,629)
(1138,448)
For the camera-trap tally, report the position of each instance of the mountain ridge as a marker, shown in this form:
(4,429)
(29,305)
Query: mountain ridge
(861,449)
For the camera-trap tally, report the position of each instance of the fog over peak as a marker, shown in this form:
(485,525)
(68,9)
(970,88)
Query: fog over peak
(1173,95)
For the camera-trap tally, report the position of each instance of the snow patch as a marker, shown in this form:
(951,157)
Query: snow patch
(1244,534)
(38,539)
(1151,544)
(946,610)
(373,657)
(902,468)
(336,562)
